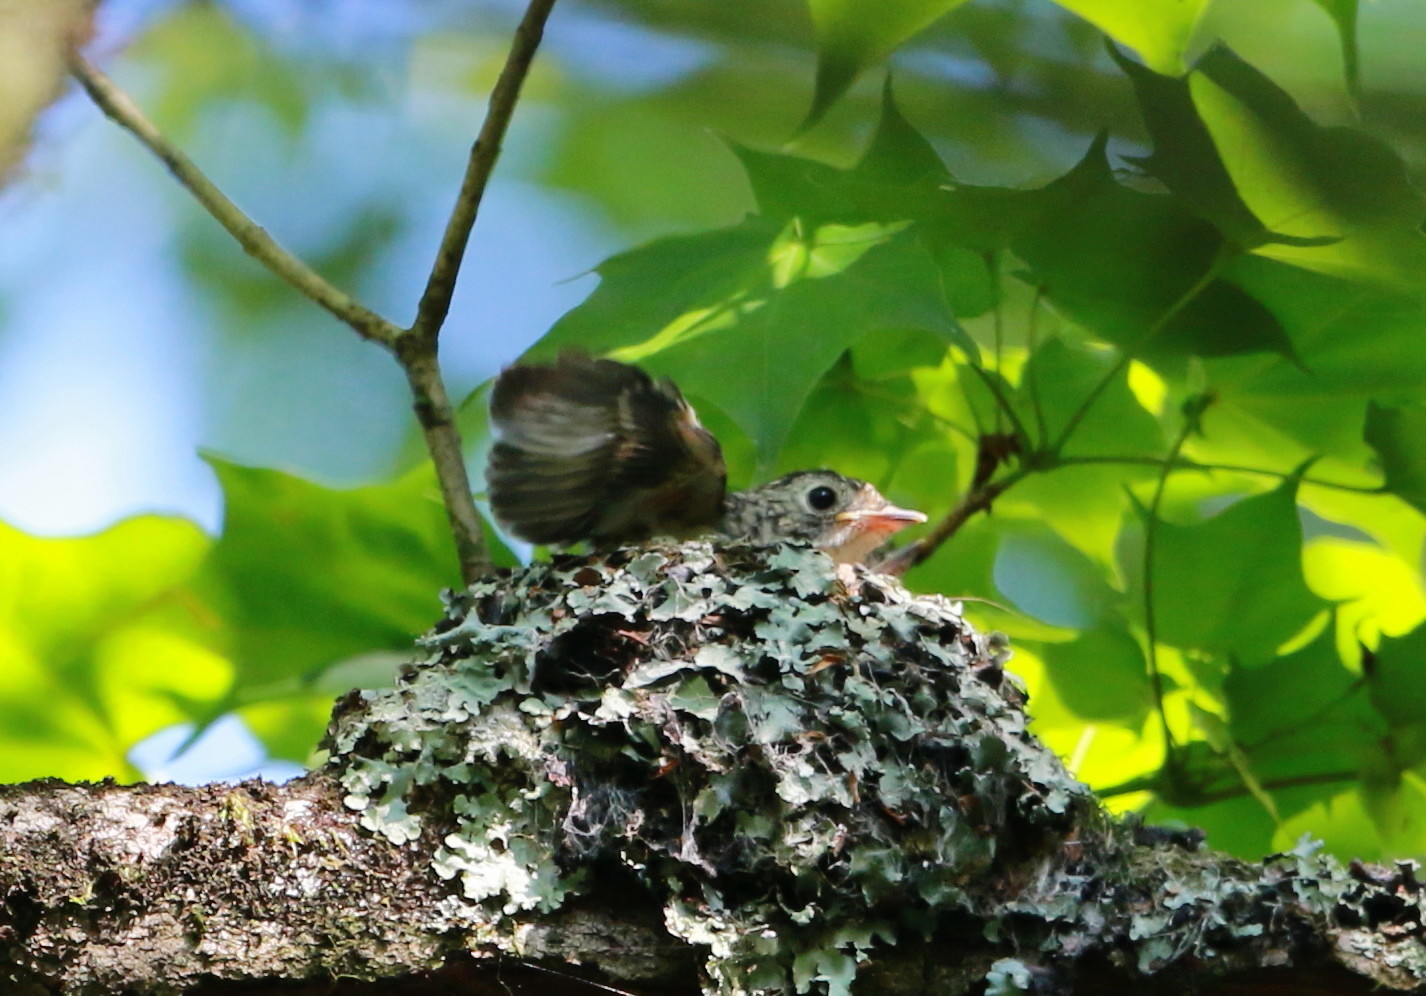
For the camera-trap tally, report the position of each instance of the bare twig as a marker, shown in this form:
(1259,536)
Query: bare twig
(251,236)
(1127,354)
(1187,463)
(977,499)
(415,348)
(1156,681)
(438,425)
(1153,782)
(436,300)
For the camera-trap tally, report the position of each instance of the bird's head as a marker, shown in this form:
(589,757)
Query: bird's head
(841,515)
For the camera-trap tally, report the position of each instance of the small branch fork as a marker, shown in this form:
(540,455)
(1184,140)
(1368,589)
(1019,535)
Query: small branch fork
(415,348)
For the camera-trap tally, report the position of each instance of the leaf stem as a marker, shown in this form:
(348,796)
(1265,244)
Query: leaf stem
(1156,681)
(1032,384)
(1151,783)
(1126,356)
(1187,463)
(993,385)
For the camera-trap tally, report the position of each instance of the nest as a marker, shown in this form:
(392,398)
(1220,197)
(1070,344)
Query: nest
(792,759)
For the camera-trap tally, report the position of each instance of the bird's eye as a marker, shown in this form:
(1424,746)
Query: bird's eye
(821,498)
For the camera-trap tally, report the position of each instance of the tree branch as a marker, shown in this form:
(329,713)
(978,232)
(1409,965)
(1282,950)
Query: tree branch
(436,300)
(415,348)
(436,416)
(977,499)
(254,239)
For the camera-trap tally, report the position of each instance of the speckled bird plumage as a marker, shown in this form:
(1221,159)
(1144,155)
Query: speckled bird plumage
(592,449)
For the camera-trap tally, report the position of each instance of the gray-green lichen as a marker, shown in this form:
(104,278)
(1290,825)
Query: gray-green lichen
(797,768)
(801,766)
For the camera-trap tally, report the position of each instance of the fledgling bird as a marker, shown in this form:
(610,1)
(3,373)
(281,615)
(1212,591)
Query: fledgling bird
(593,449)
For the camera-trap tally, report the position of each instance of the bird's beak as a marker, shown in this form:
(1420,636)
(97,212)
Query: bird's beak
(885,520)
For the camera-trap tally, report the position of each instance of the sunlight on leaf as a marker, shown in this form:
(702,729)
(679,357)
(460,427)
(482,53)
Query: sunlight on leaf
(102,641)
(1161,31)
(1380,592)
(1339,820)
(1311,182)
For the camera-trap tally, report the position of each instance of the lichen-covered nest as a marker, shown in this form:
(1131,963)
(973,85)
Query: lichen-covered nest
(795,760)
(799,764)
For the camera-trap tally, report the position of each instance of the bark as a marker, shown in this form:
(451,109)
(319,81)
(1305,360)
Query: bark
(666,771)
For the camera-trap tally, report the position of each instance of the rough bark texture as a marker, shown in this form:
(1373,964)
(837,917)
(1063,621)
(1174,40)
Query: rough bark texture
(670,769)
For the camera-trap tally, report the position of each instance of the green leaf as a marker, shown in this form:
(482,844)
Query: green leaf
(1301,714)
(778,308)
(1360,343)
(854,34)
(306,576)
(1396,685)
(1238,148)
(1051,580)
(669,288)
(103,644)
(1233,584)
(1344,15)
(794,187)
(1185,159)
(1161,31)
(898,153)
(1399,437)
(1309,181)
(1125,264)
(1101,676)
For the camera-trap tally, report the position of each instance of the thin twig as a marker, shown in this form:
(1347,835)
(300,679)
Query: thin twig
(1154,782)
(1188,463)
(1156,681)
(1126,355)
(1032,385)
(436,300)
(255,241)
(975,500)
(992,384)
(415,348)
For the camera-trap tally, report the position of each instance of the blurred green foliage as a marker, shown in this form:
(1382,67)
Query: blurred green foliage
(1184,302)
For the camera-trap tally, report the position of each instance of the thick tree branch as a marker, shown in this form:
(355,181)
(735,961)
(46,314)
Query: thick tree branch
(164,888)
(625,822)
(436,300)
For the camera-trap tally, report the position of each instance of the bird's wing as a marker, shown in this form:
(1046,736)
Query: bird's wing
(595,449)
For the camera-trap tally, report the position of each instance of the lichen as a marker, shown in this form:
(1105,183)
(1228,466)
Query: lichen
(798,768)
(803,767)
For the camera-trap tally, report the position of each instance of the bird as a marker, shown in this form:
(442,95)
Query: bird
(592,449)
